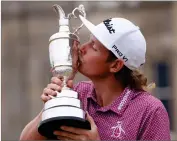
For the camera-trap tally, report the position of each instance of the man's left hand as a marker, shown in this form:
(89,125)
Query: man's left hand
(71,133)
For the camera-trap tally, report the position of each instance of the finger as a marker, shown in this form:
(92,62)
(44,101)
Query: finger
(77,131)
(45,98)
(63,138)
(90,119)
(48,91)
(70,83)
(66,134)
(54,87)
(56,80)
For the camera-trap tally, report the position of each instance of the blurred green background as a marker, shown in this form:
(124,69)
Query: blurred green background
(27,27)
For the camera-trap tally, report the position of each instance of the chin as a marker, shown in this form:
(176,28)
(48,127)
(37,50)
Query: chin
(82,71)
(85,74)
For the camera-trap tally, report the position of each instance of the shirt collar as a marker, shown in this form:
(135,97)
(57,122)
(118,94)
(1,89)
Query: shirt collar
(119,104)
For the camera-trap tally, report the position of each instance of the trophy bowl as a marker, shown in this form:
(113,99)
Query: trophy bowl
(66,108)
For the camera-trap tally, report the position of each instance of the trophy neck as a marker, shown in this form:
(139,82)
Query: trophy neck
(64,25)
(64,29)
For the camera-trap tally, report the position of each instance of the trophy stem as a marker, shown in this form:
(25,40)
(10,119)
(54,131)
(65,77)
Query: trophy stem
(65,87)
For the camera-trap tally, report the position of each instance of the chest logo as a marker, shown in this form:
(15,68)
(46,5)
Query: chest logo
(117,130)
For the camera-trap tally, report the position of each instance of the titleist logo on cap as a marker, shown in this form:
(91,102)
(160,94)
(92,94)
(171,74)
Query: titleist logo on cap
(120,53)
(109,26)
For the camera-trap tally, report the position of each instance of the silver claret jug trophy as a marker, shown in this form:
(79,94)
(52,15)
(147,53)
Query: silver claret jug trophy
(66,108)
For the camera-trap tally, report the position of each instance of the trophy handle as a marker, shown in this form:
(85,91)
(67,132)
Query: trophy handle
(81,10)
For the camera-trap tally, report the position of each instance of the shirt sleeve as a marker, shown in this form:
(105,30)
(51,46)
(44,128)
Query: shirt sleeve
(157,127)
(75,87)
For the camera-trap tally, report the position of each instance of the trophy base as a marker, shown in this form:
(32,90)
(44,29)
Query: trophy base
(47,127)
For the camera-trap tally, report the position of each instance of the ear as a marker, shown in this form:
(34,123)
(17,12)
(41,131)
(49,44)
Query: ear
(116,65)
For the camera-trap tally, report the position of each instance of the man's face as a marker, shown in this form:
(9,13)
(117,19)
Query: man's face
(93,56)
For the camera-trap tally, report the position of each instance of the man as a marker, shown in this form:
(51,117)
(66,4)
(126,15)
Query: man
(118,106)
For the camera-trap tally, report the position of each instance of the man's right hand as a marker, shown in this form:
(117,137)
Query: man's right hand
(55,85)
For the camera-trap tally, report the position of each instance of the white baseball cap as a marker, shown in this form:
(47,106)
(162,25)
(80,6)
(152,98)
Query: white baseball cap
(122,37)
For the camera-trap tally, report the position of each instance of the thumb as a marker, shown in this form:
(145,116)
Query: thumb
(90,119)
(70,83)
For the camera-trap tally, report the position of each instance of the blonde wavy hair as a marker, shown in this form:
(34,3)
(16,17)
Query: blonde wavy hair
(134,79)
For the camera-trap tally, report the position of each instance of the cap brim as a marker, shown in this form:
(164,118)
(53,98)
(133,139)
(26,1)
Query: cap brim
(94,30)
(88,24)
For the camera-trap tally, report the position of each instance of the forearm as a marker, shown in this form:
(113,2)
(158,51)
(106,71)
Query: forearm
(30,132)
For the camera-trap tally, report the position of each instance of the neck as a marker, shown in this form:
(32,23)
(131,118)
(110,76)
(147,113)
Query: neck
(107,90)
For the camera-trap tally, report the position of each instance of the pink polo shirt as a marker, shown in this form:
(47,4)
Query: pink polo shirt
(132,116)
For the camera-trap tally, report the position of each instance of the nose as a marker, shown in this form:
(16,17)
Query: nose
(83,48)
